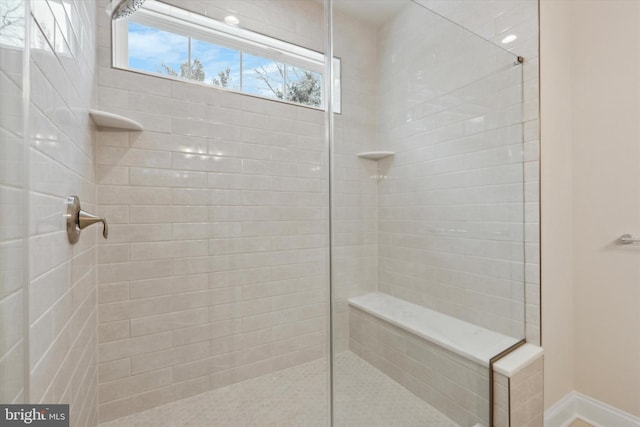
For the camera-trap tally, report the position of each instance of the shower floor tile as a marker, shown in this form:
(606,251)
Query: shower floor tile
(296,397)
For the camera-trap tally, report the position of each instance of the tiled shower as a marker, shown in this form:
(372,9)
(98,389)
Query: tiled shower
(241,226)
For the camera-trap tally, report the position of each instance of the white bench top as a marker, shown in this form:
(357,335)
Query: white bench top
(517,360)
(463,338)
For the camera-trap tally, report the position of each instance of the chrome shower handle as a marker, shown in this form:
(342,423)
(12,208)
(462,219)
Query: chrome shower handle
(78,220)
(86,219)
(627,239)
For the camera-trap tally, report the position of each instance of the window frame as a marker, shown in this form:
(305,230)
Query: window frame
(189,24)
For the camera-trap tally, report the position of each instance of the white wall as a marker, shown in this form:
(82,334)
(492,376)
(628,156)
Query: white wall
(556,200)
(598,99)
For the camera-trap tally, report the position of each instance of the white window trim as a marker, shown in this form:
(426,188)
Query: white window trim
(190,24)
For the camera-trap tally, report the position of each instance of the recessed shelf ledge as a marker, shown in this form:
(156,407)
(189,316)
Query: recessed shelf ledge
(114,121)
(376,155)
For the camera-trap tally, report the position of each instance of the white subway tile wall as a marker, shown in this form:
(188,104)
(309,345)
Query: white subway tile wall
(215,269)
(12,211)
(62,288)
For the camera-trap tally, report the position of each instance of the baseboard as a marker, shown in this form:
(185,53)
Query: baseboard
(577,405)
(561,413)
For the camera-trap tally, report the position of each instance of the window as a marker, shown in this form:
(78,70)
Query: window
(163,40)
(12,23)
(52,25)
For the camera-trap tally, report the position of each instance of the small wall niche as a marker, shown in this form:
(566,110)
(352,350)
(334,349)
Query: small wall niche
(103,119)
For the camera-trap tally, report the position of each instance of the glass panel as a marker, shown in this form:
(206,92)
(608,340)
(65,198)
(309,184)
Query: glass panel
(157,51)
(13,349)
(434,230)
(216,65)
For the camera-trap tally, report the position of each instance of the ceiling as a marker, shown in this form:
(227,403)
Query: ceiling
(374,12)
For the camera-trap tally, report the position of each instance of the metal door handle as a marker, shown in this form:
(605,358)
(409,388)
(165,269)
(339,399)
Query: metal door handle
(78,220)
(627,239)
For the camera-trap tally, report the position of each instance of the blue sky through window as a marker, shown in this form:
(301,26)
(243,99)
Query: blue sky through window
(150,47)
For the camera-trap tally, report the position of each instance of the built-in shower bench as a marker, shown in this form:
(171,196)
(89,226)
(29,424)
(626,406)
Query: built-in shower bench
(462,338)
(443,360)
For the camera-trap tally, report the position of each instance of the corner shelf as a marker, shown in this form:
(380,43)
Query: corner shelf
(109,120)
(376,155)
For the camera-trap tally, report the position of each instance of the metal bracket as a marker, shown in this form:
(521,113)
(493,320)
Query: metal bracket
(627,239)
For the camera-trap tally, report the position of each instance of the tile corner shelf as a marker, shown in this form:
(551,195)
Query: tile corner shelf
(109,120)
(375,155)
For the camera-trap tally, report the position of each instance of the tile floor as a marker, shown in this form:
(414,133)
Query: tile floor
(296,397)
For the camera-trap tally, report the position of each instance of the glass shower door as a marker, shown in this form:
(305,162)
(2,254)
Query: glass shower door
(225,284)
(13,216)
(427,218)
